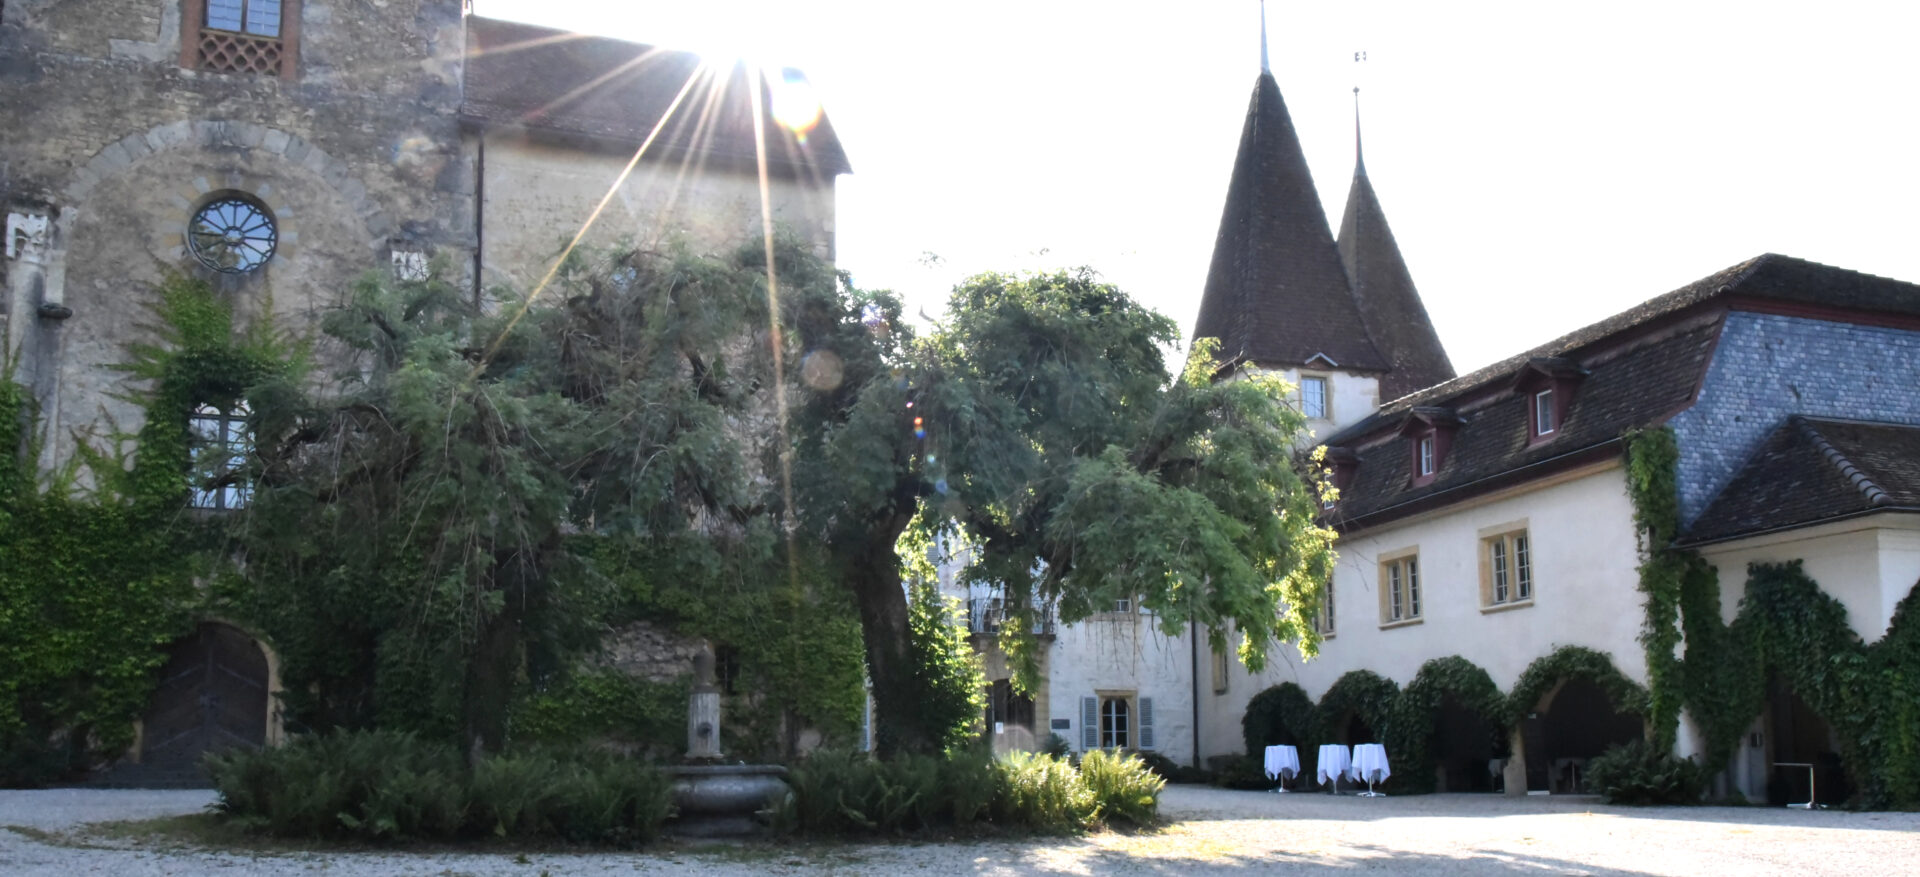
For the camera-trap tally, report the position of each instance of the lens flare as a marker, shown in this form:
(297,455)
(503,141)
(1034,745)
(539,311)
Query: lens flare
(822,370)
(795,104)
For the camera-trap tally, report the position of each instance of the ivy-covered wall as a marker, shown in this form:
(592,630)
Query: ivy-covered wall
(98,559)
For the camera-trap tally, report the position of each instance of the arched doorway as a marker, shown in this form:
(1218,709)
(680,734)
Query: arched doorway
(1798,735)
(212,696)
(1575,723)
(1355,731)
(1463,745)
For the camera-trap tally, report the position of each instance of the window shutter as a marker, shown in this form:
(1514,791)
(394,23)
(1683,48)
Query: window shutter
(1146,723)
(1089,723)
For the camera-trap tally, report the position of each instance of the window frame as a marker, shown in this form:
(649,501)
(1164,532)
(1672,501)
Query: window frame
(1508,578)
(1546,420)
(1325,383)
(1425,459)
(1116,721)
(194,27)
(1401,602)
(227,488)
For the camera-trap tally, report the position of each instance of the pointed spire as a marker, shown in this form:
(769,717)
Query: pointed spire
(1359,160)
(1264,67)
(1276,293)
(1383,288)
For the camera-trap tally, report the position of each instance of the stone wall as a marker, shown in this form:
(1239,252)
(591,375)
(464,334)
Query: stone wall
(113,143)
(648,651)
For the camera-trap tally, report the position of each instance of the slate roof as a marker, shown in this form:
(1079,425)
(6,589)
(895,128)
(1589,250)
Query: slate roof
(1389,305)
(606,89)
(1816,469)
(1276,292)
(1639,386)
(1647,374)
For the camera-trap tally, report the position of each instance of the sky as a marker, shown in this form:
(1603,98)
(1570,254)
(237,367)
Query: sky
(1542,165)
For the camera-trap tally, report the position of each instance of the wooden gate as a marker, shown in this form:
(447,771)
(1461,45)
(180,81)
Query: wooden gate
(212,696)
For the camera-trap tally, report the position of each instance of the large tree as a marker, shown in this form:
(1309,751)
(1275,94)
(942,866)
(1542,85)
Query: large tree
(1042,420)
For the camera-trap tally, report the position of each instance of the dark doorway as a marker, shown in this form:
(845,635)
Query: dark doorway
(1007,706)
(1801,736)
(1356,731)
(212,696)
(1579,723)
(1462,747)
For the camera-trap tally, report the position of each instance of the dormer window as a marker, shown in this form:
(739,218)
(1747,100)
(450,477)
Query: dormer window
(1313,397)
(1548,384)
(1429,432)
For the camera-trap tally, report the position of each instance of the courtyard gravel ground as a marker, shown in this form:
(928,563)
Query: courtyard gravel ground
(1210,831)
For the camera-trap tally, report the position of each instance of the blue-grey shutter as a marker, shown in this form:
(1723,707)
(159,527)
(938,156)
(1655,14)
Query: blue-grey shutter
(1089,723)
(1146,723)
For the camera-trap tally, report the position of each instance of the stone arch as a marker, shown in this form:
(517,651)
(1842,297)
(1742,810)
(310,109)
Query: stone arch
(216,691)
(1568,707)
(1450,723)
(232,135)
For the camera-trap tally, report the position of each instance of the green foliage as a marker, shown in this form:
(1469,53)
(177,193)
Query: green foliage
(1361,693)
(1574,662)
(1417,710)
(606,706)
(948,668)
(1161,766)
(1282,714)
(1043,793)
(1652,463)
(97,560)
(1642,773)
(1124,787)
(389,786)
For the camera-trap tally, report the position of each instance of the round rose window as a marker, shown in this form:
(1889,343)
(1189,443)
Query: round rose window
(232,235)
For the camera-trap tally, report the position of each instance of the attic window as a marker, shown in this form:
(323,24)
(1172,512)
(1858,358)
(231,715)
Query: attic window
(1544,421)
(1424,456)
(1429,432)
(1313,397)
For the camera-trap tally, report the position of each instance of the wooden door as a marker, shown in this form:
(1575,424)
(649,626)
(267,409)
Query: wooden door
(212,696)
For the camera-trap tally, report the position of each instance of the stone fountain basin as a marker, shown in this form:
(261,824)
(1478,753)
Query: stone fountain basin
(719,799)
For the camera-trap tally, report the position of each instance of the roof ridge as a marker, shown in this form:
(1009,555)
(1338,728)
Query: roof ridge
(1859,478)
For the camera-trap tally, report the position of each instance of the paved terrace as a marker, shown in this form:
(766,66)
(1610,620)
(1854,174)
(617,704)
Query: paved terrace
(1213,832)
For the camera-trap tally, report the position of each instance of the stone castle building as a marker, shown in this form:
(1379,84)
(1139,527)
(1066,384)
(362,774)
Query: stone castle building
(281,149)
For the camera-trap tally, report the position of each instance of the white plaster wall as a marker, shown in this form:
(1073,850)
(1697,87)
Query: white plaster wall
(1125,651)
(1869,564)
(1354,397)
(1585,593)
(536,196)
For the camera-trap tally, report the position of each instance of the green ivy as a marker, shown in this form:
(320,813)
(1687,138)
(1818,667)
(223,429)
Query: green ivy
(607,706)
(1418,707)
(97,561)
(1281,714)
(1357,692)
(1575,662)
(1652,464)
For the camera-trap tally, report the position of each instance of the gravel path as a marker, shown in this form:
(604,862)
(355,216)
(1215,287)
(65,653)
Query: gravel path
(1214,831)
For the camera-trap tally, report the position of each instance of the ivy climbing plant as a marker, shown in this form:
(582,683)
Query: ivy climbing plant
(1417,710)
(1575,662)
(1361,693)
(97,557)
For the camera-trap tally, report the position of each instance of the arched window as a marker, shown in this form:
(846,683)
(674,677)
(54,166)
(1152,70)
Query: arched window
(1113,723)
(218,453)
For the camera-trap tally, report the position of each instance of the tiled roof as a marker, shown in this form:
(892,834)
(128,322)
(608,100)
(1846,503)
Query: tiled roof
(603,88)
(1276,292)
(1638,386)
(1814,469)
(1382,287)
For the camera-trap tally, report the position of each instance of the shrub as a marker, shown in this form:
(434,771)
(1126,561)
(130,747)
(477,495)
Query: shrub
(1044,793)
(1638,773)
(1170,770)
(839,792)
(1057,746)
(1246,773)
(392,786)
(1123,787)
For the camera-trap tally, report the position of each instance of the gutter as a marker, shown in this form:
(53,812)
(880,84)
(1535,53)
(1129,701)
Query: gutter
(1781,528)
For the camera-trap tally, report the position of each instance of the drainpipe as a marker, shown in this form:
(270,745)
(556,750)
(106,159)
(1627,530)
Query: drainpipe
(479,207)
(1193,633)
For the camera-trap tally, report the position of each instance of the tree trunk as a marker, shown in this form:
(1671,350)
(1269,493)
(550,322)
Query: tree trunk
(897,725)
(490,674)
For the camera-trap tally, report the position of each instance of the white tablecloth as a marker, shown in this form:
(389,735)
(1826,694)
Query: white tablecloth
(1282,761)
(1334,762)
(1370,761)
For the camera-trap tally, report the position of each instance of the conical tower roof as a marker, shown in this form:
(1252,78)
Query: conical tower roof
(1395,317)
(1276,292)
